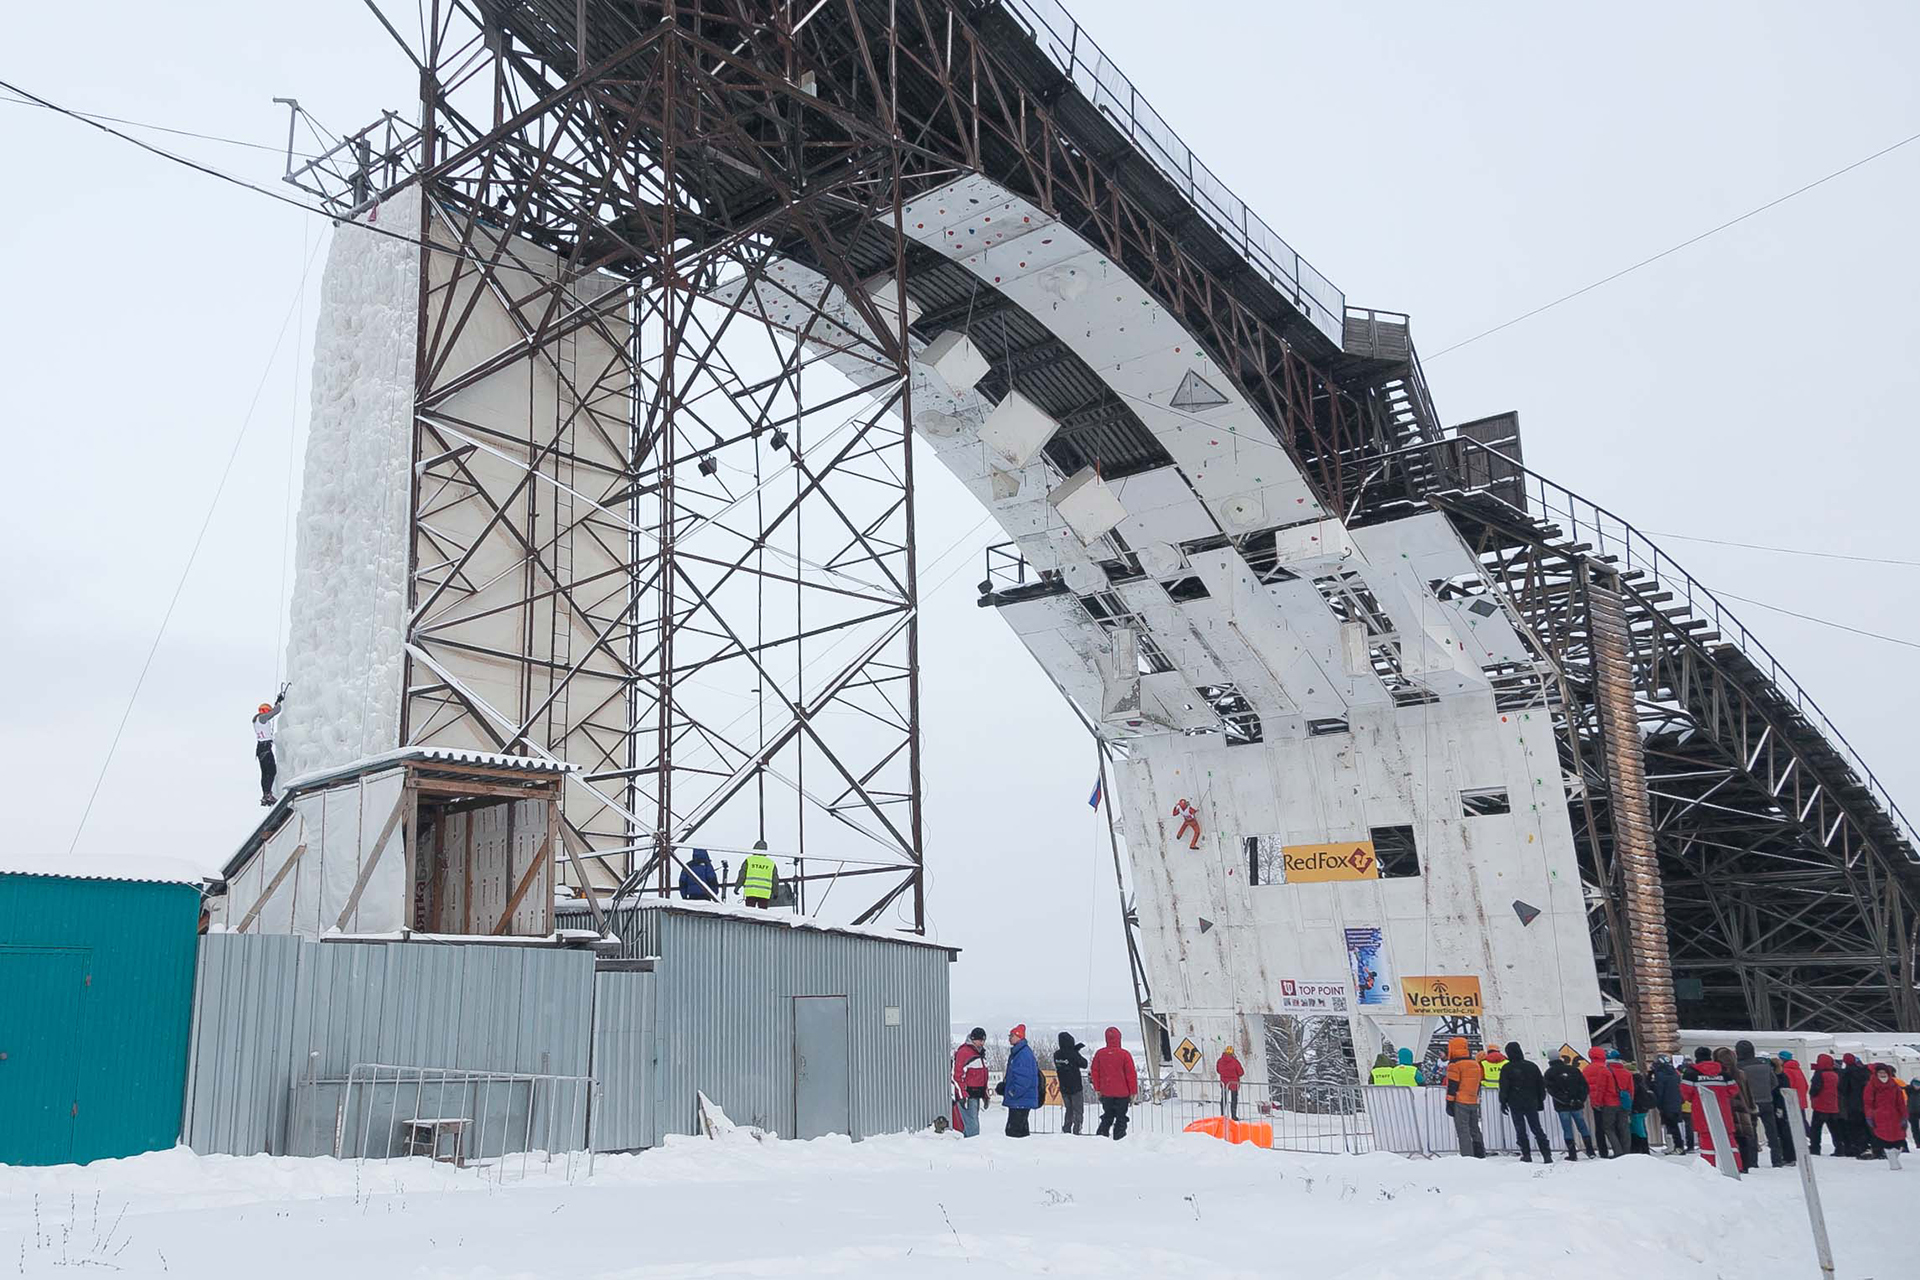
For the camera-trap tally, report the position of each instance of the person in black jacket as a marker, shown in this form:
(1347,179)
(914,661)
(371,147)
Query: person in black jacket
(1068,1064)
(1665,1083)
(1568,1089)
(1523,1092)
(1853,1113)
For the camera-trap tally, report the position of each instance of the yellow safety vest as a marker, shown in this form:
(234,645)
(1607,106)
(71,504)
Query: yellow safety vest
(1382,1075)
(1407,1074)
(1490,1073)
(759,872)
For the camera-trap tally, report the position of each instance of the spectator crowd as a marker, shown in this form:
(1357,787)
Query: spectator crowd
(1862,1110)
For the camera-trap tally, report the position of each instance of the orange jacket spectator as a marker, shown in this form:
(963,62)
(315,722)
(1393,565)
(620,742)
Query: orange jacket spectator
(1463,1074)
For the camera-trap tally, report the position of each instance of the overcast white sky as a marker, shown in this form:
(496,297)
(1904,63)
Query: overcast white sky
(1463,163)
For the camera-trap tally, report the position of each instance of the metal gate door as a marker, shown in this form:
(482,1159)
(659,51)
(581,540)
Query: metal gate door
(40,1037)
(820,1077)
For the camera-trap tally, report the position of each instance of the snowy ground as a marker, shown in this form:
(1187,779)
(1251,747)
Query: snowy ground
(920,1205)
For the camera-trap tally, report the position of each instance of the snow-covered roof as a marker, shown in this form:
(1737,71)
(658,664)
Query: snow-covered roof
(752,915)
(431,755)
(139,867)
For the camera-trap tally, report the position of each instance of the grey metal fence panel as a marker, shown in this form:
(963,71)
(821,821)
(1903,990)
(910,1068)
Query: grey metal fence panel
(273,1011)
(623,1046)
(237,1052)
(725,1021)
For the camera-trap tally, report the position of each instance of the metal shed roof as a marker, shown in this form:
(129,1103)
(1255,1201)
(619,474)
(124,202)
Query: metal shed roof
(127,867)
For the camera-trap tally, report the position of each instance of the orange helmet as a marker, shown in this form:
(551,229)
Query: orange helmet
(265,707)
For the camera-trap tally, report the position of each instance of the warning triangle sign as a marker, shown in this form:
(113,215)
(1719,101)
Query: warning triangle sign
(1195,392)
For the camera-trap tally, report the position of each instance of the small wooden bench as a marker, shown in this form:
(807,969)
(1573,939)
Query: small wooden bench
(425,1135)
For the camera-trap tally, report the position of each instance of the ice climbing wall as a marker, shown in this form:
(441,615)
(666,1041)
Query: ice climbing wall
(344,637)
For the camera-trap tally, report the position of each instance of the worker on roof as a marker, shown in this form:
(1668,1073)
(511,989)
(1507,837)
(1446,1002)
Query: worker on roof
(263,728)
(757,877)
(699,882)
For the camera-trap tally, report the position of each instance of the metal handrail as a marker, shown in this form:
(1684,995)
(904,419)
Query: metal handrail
(1070,49)
(1611,534)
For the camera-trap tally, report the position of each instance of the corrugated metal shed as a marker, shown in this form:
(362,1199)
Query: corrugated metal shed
(723,1023)
(273,1012)
(97,979)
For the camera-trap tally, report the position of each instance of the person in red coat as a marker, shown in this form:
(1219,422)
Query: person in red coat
(1699,1097)
(970,1082)
(1115,1080)
(1796,1076)
(1230,1071)
(1823,1094)
(1609,1108)
(1884,1103)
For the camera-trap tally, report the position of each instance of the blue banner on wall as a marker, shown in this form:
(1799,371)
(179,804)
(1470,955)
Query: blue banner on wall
(1367,958)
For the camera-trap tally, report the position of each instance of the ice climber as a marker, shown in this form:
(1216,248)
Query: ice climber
(1113,1077)
(1068,1062)
(1020,1090)
(263,728)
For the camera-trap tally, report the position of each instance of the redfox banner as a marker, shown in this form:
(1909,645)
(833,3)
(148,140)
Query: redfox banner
(1444,995)
(1314,863)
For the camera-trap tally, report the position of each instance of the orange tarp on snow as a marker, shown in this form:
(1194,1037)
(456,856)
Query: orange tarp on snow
(1260,1135)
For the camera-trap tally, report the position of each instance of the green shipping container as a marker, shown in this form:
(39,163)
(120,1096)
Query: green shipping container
(96,1000)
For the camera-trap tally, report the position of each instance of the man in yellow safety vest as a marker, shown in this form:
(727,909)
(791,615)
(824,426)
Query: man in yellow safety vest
(757,876)
(1492,1063)
(1382,1072)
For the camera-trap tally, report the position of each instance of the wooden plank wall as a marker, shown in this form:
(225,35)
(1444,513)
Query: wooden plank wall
(479,857)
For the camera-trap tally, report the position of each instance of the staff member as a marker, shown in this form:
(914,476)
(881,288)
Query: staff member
(757,876)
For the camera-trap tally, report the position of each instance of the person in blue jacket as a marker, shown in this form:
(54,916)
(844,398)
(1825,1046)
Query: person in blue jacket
(699,882)
(1020,1090)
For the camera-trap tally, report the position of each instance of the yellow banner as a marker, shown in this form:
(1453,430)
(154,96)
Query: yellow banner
(1314,863)
(1454,995)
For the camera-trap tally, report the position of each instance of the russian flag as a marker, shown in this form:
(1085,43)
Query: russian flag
(1093,801)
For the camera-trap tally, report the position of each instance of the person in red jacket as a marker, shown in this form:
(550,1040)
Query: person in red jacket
(1884,1103)
(1609,1108)
(1115,1080)
(970,1082)
(1796,1076)
(1230,1071)
(1823,1092)
(1699,1096)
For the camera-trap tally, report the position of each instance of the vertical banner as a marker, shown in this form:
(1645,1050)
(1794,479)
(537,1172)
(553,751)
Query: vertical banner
(1367,958)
